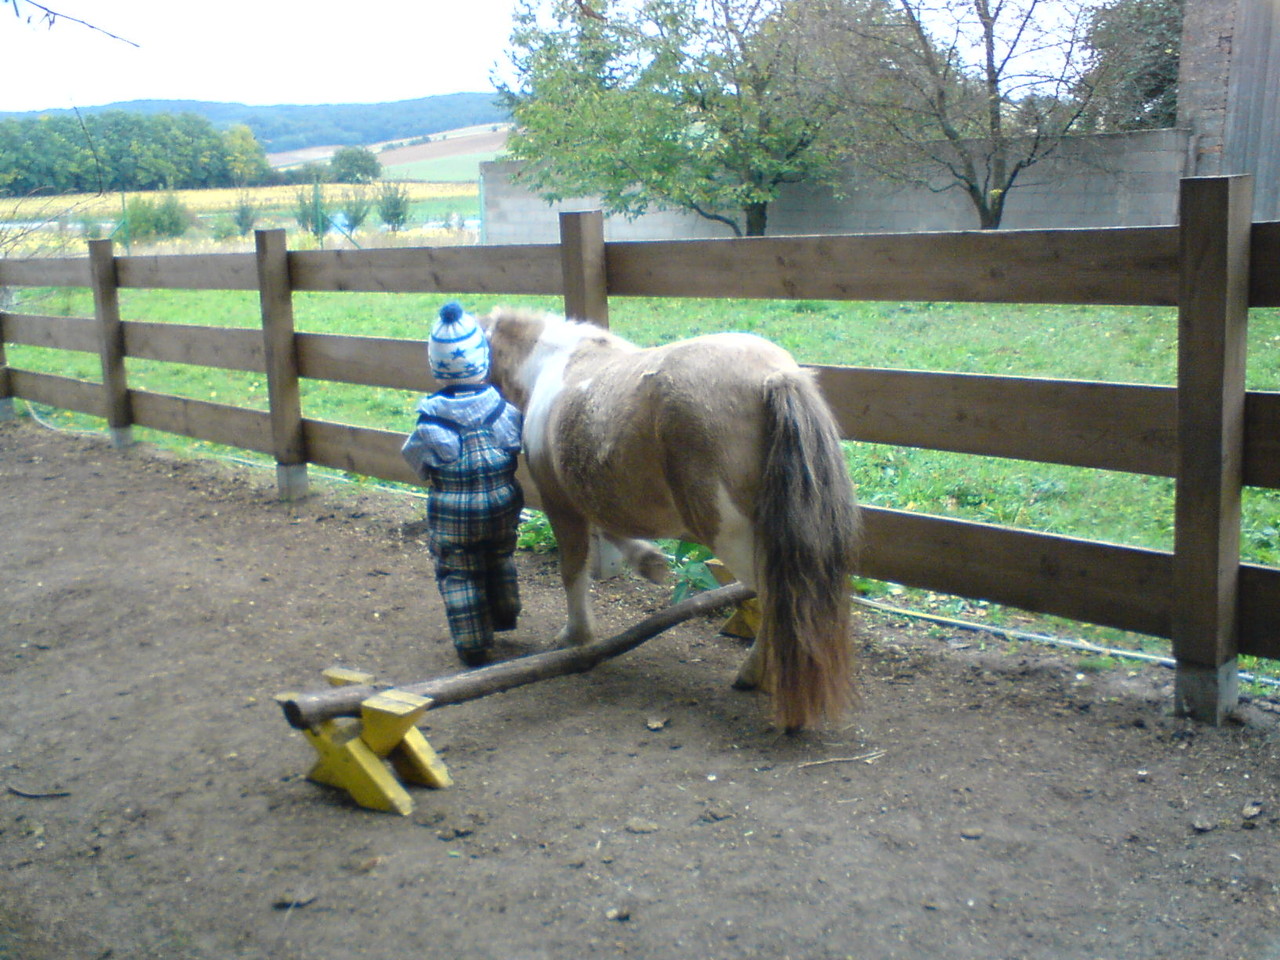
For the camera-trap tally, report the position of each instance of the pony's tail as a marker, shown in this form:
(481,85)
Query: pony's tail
(807,535)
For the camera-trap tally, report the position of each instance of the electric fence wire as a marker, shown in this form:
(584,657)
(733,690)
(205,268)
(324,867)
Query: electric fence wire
(1082,646)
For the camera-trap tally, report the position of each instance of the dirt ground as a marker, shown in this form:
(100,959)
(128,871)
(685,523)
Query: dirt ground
(986,801)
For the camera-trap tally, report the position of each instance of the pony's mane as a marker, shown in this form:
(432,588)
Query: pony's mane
(556,328)
(559,330)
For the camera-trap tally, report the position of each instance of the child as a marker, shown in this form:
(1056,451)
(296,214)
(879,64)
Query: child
(465,445)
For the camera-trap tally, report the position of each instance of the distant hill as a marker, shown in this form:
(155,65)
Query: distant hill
(296,127)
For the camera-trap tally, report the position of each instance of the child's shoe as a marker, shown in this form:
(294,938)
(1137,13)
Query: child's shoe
(473,656)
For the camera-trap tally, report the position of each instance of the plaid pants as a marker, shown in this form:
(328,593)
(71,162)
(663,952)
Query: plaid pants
(478,602)
(473,512)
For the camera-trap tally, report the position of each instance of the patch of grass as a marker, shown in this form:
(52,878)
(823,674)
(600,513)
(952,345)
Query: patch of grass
(1096,664)
(1017,340)
(689,564)
(535,534)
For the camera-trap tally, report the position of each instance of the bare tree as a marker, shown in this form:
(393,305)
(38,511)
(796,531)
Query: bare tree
(42,14)
(25,234)
(971,93)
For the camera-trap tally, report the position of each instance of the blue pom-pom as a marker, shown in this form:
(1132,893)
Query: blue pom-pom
(451,312)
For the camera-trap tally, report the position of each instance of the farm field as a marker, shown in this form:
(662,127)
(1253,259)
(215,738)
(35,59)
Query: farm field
(452,156)
(984,801)
(439,176)
(62,223)
(446,158)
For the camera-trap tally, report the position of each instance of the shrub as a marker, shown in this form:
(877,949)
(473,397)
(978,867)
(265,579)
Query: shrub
(245,215)
(147,220)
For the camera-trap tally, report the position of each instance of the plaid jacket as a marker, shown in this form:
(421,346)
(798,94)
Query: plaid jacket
(466,445)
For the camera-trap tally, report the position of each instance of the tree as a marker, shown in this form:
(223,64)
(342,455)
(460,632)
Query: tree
(1140,43)
(393,206)
(355,207)
(115,150)
(355,165)
(977,91)
(47,16)
(246,160)
(708,106)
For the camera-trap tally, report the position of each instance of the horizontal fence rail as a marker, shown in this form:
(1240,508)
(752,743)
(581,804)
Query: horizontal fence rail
(1122,265)
(1109,426)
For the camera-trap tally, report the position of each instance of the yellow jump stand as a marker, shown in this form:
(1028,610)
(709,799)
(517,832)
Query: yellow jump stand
(364,756)
(746,618)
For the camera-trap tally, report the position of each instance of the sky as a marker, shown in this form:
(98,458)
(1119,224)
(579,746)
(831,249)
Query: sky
(257,52)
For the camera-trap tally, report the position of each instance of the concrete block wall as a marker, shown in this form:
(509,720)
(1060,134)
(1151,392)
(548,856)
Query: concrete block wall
(511,214)
(1115,180)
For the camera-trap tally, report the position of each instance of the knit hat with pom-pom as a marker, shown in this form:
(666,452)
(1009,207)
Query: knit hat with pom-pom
(458,350)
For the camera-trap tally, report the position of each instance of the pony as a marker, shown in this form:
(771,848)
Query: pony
(722,440)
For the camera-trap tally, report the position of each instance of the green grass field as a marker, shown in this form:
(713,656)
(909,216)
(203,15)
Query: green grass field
(1135,345)
(1120,344)
(458,169)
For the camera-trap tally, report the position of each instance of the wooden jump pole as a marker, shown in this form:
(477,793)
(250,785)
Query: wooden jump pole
(308,710)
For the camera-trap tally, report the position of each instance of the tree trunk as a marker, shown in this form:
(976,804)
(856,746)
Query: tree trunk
(757,216)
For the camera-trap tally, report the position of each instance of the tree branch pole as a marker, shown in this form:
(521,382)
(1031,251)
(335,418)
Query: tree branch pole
(303,710)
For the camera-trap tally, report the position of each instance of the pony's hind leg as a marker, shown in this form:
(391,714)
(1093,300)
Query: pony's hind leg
(642,556)
(735,548)
(574,542)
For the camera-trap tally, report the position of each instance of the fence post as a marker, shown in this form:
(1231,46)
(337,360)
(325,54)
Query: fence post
(276,296)
(586,297)
(106,308)
(1214,225)
(582,264)
(6,382)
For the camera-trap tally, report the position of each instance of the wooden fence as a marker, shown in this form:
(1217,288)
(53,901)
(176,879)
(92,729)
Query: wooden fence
(1208,433)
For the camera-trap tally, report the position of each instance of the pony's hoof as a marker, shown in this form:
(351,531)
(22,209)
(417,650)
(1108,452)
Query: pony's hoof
(745,681)
(653,568)
(569,637)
